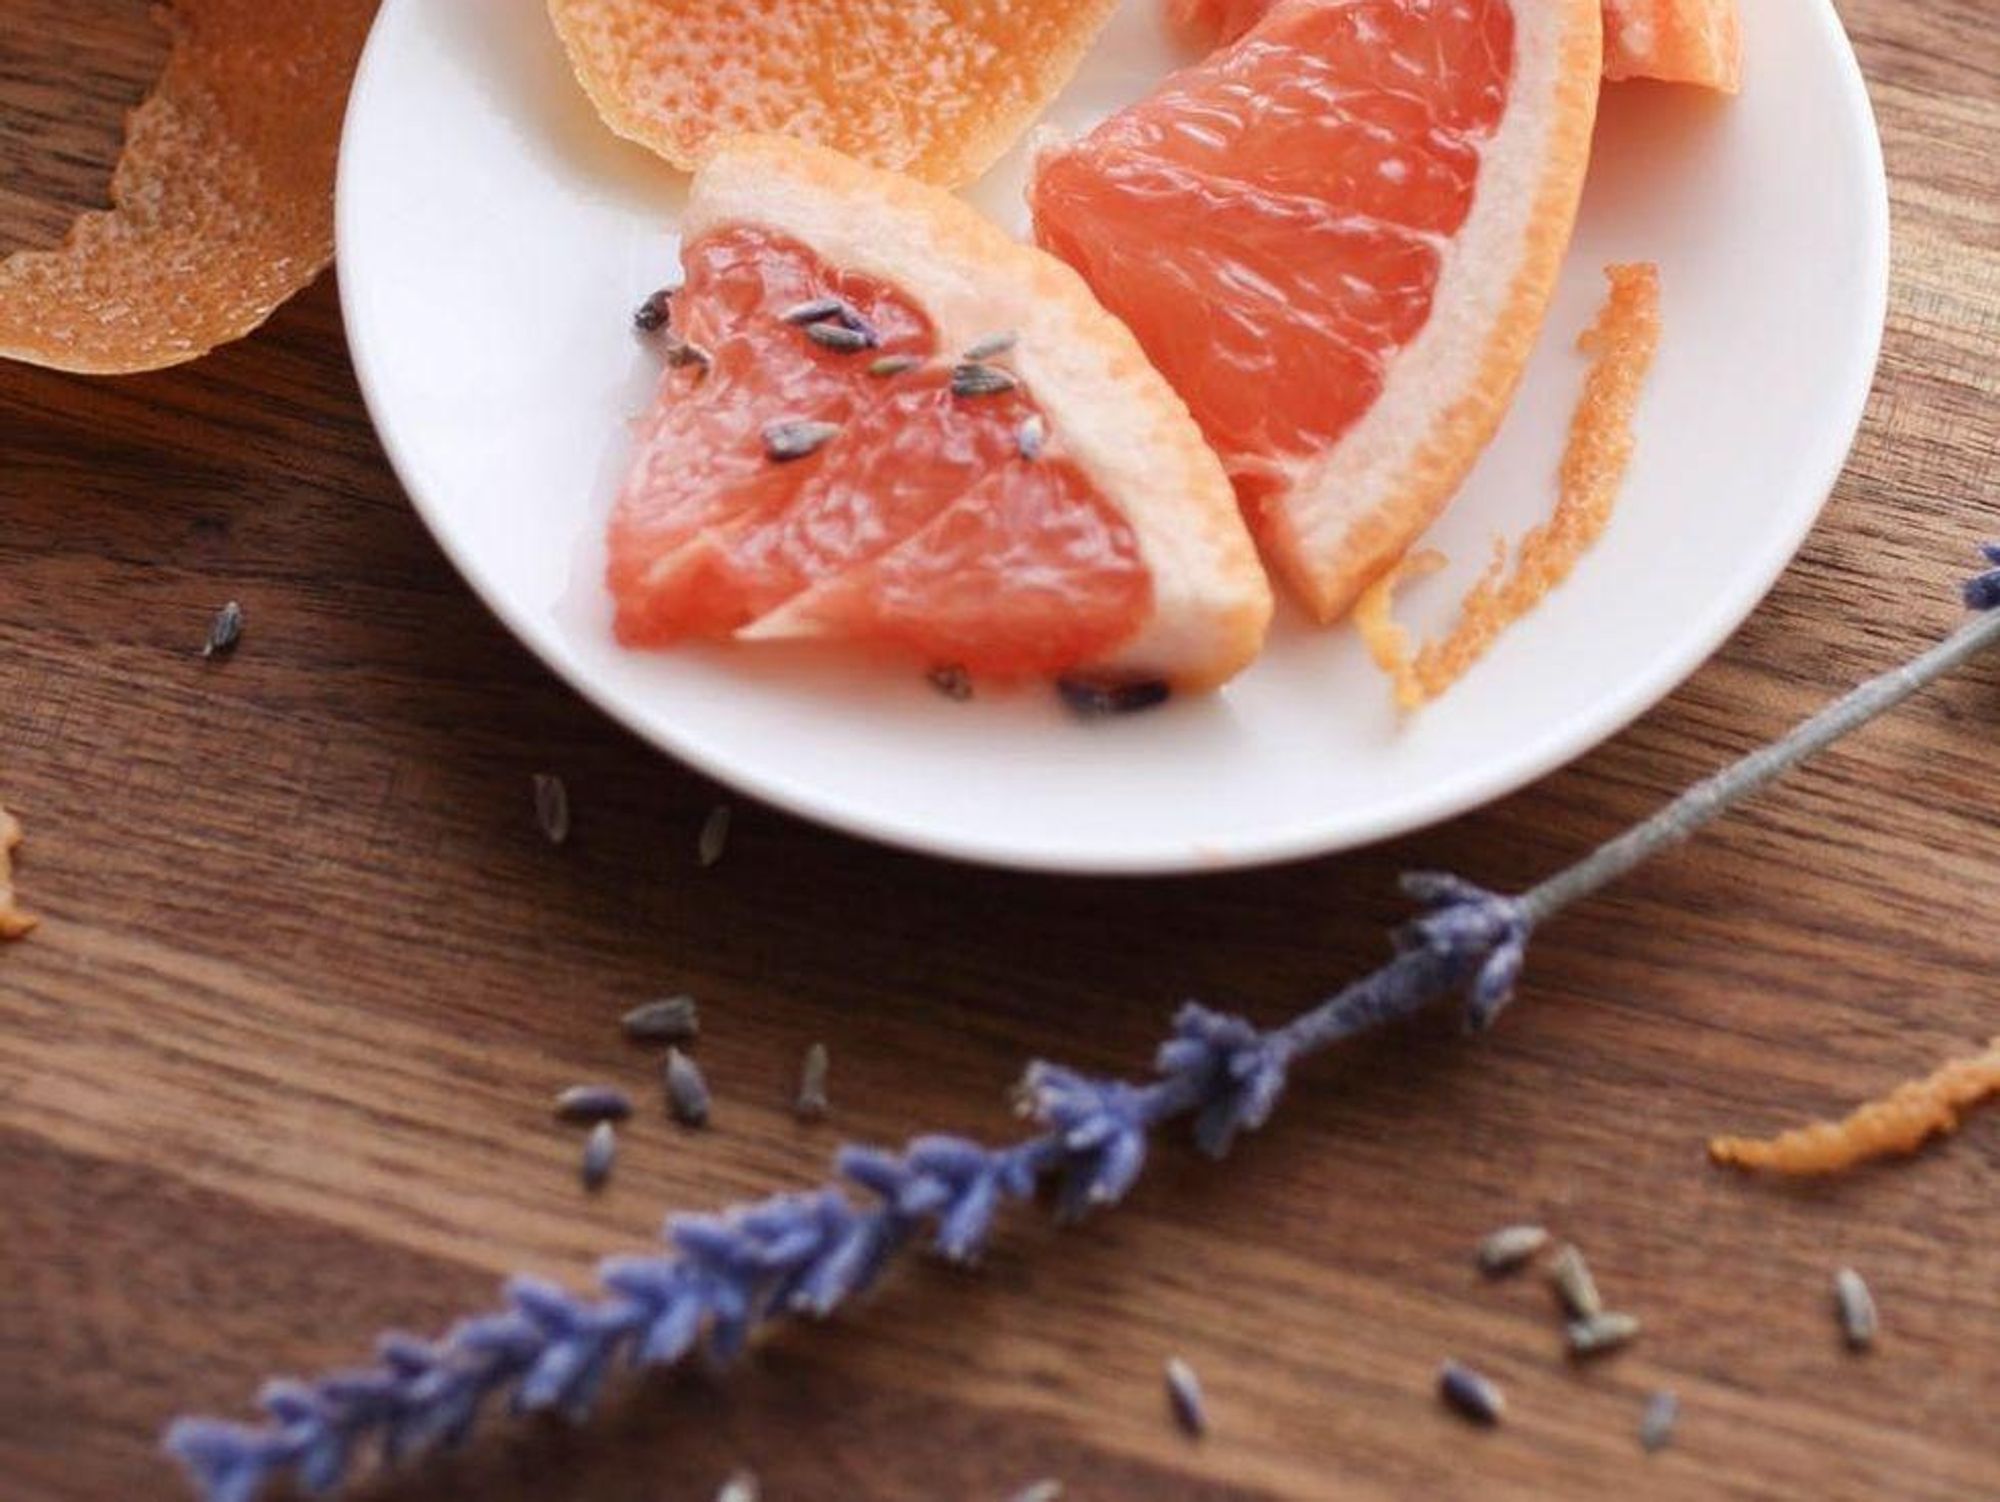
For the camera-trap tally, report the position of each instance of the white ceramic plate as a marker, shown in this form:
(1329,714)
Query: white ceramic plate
(494,239)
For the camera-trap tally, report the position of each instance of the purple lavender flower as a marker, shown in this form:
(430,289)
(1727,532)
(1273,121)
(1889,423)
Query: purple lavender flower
(1982,591)
(1481,936)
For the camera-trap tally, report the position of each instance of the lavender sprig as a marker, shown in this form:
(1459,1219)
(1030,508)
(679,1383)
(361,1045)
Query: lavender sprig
(808,1254)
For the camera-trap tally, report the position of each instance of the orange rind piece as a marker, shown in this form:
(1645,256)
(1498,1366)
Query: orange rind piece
(221,203)
(937,91)
(1622,342)
(14,923)
(1897,1123)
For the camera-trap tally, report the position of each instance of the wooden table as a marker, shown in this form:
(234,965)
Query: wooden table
(274,1073)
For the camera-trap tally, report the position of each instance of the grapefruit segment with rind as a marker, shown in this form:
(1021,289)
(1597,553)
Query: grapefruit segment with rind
(1674,41)
(994,475)
(1337,238)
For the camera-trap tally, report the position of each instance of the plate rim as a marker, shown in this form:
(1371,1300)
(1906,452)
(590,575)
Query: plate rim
(1555,747)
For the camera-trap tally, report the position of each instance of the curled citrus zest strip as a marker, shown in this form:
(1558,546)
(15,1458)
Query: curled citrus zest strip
(1898,1122)
(1388,643)
(1622,343)
(14,923)
(222,200)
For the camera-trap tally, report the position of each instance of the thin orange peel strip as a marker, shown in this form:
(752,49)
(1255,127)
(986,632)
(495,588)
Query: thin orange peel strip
(14,923)
(1897,1123)
(937,91)
(1621,343)
(222,200)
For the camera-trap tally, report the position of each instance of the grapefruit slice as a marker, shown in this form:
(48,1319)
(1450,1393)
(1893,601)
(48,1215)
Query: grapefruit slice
(1675,41)
(883,421)
(1337,238)
(936,88)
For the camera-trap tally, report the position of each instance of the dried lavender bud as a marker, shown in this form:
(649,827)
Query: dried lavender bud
(1031,438)
(1093,699)
(552,806)
(685,352)
(687,1089)
(1184,1396)
(671,1019)
(1471,1394)
(1601,1332)
(990,346)
(593,1103)
(599,1149)
(1509,1247)
(838,337)
(952,681)
(1570,1275)
(894,365)
(811,1103)
(796,439)
(969,378)
(1856,1307)
(742,1487)
(714,837)
(656,312)
(1656,1424)
(813,310)
(224,631)
(1049,1490)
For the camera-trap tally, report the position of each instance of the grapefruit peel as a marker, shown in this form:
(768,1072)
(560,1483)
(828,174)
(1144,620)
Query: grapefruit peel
(1895,1124)
(939,92)
(221,202)
(14,923)
(1622,342)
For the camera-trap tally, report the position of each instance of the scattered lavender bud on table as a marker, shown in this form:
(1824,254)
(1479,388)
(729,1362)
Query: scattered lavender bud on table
(224,631)
(811,1103)
(1570,1275)
(1656,1424)
(1470,1394)
(742,1487)
(1856,1307)
(1049,1490)
(1605,1331)
(687,1089)
(671,1019)
(552,806)
(593,1103)
(600,1148)
(1184,1397)
(805,1254)
(1509,1248)
(714,837)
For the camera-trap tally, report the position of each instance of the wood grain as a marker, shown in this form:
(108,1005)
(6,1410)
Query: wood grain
(274,1072)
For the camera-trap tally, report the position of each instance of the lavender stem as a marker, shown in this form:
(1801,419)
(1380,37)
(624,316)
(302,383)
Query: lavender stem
(1716,794)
